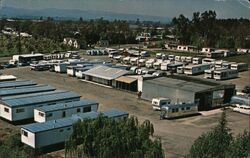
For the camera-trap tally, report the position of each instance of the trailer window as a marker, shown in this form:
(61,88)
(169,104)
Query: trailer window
(173,110)
(187,108)
(176,110)
(6,110)
(182,109)
(25,133)
(41,114)
(64,114)
(78,110)
(87,109)
(49,115)
(61,130)
(19,110)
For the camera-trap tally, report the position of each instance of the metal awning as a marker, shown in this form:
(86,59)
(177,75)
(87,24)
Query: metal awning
(126,79)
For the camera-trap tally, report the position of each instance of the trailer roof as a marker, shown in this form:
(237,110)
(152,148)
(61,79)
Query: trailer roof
(25,90)
(105,72)
(31,100)
(18,83)
(60,123)
(62,106)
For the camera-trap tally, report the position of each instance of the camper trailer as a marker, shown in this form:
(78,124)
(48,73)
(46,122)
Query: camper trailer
(58,111)
(208,61)
(157,65)
(158,103)
(177,58)
(196,69)
(126,60)
(164,65)
(224,74)
(61,67)
(178,110)
(142,62)
(189,60)
(158,55)
(71,70)
(150,63)
(209,74)
(239,67)
(241,103)
(196,61)
(79,71)
(133,61)
(173,66)
(180,70)
(171,57)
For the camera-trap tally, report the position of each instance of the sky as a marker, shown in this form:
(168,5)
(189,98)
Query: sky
(162,8)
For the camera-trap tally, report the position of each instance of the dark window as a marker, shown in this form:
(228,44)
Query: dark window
(173,110)
(49,115)
(25,133)
(182,108)
(19,110)
(68,129)
(64,114)
(87,109)
(7,110)
(176,110)
(187,108)
(61,130)
(41,114)
(78,110)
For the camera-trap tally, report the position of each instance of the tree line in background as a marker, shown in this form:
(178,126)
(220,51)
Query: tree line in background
(205,30)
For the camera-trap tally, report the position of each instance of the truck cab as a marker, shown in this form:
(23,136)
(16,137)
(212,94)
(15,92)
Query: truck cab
(157,103)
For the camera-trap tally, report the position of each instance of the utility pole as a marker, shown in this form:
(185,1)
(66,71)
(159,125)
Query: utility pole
(19,40)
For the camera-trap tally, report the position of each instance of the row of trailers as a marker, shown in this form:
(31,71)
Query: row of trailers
(55,111)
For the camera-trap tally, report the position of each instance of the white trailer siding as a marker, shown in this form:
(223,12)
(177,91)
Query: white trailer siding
(196,69)
(61,67)
(22,107)
(53,132)
(57,111)
(239,67)
(225,74)
(28,137)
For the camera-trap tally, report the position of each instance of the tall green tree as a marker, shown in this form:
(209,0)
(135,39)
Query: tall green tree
(105,138)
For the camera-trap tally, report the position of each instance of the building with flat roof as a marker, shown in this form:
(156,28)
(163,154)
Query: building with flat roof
(25,90)
(21,107)
(57,111)
(18,83)
(207,94)
(46,134)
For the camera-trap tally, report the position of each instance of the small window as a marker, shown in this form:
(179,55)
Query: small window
(182,109)
(187,108)
(68,129)
(176,110)
(78,110)
(49,115)
(61,130)
(6,110)
(173,110)
(19,110)
(25,133)
(87,109)
(64,114)
(41,114)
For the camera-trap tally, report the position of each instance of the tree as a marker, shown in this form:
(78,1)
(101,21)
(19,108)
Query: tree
(107,138)
(219,143)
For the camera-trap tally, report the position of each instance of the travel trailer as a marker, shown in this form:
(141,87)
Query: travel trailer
(158,103)
(239,67)
(196,69)
(223,74)
(178,110)
(150,63)
(196,61)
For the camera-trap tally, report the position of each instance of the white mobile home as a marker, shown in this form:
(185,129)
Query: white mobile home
(133,61)
(40,135)
(142,62)
(164,65)
(224,74)
(58,111)
(196,69)
(196,61)
(4,78)
(157,65)
(79,71)
(177,58)
(209,74)
(71,70)
(208,61)
(21,107)
(61,67)
(150,63)
(25,90)
(239,67)
(126,60)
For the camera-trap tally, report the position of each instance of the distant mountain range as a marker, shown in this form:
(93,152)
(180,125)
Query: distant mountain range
(66,14)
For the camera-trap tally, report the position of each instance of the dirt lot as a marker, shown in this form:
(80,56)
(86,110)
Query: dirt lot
(177,135)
